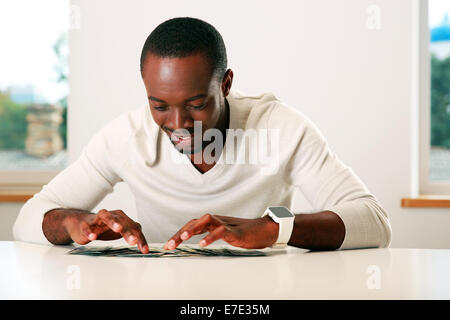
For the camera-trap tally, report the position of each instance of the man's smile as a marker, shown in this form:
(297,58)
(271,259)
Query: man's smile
(182,139)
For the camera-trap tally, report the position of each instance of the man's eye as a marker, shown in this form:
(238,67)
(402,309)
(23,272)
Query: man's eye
(160,108)
(198,107)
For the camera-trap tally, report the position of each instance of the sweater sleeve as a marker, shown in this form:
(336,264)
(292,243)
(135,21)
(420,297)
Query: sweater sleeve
(329,185)
(82,185)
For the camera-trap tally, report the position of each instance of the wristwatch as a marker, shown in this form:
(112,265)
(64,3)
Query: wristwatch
(285,220)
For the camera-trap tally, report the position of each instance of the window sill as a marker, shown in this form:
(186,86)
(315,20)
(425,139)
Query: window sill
(426,201)
(19,195)
(419,202)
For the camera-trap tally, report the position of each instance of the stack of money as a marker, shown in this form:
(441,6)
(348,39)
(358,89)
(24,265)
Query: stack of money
(154,252)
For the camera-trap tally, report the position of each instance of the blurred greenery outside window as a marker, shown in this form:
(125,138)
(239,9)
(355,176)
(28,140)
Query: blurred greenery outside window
(13,123)
(439,48)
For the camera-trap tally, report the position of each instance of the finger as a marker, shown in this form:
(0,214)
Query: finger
(141,241)
(205,223)
(216,234)
(85,231)
(143,246)
(189,229)
(176,239)
(110,219)
(133,235)
(129,237)
(90,232)
(195,226)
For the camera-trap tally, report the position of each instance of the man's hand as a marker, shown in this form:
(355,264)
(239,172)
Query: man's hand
(105,225)
(245,233)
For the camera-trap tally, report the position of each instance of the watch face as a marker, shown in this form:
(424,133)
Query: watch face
(281,212)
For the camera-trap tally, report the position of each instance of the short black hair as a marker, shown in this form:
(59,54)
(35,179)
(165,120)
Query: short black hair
(184,36)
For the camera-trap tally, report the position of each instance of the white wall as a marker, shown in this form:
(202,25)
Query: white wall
(8,214)
(319,56)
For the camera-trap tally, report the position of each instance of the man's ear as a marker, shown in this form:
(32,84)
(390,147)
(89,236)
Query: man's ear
(227,81)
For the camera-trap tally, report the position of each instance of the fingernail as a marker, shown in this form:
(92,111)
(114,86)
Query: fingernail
(116,226)
(203,243)
(131,238)
(91,236)
(184,235)
(171,244)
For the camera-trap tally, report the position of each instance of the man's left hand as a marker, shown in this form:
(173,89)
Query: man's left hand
(245,233)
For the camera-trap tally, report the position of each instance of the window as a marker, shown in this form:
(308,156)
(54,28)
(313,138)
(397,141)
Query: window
(433,100)
(33,91)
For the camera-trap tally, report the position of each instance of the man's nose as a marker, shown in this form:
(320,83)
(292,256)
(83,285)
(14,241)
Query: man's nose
(179,119)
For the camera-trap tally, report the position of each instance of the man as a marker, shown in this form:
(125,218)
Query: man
(183,187)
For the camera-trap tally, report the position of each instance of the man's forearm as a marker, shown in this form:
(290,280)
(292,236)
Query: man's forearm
(318,231)
(54,225)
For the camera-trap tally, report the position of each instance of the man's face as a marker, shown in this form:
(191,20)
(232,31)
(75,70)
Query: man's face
(181,91)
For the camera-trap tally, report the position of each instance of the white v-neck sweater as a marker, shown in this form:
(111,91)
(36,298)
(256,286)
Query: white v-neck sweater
(169,191)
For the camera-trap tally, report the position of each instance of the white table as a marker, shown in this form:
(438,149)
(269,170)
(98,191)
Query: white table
(29,271)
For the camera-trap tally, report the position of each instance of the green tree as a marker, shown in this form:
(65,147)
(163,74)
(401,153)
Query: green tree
(440,102)
(13,123)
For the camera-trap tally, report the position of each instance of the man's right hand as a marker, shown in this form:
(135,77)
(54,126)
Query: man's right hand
(83,227)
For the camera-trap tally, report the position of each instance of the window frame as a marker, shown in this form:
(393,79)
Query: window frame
(24,182)
(421,100)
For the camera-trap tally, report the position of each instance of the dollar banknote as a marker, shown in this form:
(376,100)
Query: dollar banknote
(156,252)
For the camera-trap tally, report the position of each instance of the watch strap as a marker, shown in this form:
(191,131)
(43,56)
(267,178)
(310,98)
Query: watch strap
(285,227)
